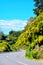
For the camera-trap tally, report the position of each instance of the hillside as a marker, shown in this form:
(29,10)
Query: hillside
(32,38)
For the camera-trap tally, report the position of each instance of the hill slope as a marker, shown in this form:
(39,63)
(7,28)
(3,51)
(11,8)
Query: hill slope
(32,38)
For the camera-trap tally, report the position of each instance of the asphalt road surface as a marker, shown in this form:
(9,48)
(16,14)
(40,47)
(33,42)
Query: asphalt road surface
(16,58)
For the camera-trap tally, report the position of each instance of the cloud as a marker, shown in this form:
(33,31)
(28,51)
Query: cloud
(7,25)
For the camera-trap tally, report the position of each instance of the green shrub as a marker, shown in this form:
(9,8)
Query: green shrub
(32,38)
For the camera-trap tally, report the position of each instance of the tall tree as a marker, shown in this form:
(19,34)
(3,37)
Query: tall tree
(39,7)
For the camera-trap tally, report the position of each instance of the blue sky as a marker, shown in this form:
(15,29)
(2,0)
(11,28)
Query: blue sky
(11,10)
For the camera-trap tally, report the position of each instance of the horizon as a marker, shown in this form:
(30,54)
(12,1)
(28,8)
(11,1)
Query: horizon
(14,14)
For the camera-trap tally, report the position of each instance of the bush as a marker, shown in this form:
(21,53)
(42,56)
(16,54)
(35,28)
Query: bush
(32,38)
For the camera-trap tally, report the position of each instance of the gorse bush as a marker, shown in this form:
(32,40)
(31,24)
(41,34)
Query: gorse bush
(32,38)
(2,45)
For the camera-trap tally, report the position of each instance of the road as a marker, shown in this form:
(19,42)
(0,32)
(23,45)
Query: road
(16,58)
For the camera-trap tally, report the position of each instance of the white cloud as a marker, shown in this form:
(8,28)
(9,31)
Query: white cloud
(12,24)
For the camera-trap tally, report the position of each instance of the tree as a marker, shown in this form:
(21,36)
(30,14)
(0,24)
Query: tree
(39,7)
(13,36)
(2,36)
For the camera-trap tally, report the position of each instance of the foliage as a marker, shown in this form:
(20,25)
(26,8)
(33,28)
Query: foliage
(39,6)
(7,42)
(2,45)
(13,35)
(2,36)
(32,38)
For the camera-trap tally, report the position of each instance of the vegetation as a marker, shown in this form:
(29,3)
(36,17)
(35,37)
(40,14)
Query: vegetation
(39,7)
(7,42)
(32,38)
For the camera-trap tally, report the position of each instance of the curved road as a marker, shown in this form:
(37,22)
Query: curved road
(16,58)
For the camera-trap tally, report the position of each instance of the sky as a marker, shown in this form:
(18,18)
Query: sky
(14,14)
